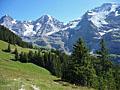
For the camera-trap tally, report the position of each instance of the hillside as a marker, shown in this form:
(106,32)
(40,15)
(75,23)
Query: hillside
(27,76)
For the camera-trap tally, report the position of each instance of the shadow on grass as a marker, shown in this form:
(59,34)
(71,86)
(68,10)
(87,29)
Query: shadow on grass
(5,50)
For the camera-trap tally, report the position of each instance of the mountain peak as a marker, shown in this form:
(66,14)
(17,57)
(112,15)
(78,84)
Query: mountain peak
(98,15)
(110,7)
(8,20)
(6,17)
(111,3)
(47,15)
(45,18)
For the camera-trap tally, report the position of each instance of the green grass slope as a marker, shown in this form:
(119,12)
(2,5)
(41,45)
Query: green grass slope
(27,76)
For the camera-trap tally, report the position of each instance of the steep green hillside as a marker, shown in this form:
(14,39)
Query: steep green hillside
(22,76)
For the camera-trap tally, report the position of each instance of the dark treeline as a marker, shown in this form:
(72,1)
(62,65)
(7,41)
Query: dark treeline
(10,37)
(51,60)
(80,68)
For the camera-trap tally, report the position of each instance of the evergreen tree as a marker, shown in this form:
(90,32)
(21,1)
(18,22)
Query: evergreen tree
(23,57)
(30,56)
(56,65)
(103,54)
(117,76)
(16,54)
(9,48)
(104,57)
(106,78)
(80,69)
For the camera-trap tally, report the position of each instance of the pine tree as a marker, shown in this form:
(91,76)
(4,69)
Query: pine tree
(117,76)
(104,57)
(106,69)
(23,57)
(9,48)
(16,54)
(30,56)
(80,69)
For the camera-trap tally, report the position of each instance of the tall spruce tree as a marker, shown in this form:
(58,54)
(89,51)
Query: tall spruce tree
(106,79)
(104,57)
(23,57)
(9,48)
(16,54)
(117,76)
(80,69)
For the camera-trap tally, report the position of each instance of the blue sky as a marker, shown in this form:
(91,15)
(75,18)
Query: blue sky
(63,10)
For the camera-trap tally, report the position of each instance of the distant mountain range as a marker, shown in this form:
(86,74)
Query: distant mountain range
(101,22)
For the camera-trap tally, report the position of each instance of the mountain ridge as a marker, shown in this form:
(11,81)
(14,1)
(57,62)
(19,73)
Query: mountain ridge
(101,22)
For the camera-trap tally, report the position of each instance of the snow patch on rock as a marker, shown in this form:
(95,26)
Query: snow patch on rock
(117,14)
(14,22)
(29,30)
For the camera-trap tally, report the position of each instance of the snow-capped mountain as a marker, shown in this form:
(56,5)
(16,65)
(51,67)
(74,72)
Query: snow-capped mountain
(105,21)
(101,22)
(7,21)
(46,25)
(24,28)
